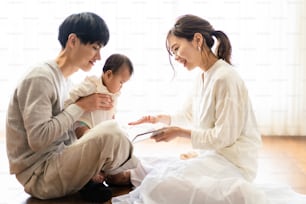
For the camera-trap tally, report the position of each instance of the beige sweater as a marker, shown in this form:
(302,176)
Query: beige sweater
(37,124)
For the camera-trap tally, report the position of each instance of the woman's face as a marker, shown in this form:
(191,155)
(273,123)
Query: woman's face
(185,52)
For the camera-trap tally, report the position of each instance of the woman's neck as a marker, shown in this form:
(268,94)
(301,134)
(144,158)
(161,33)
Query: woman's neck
(210,60)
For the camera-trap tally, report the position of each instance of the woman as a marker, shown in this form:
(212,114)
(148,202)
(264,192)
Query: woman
(222,124)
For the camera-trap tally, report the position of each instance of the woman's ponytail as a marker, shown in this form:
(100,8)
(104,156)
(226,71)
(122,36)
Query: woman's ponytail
(224,50)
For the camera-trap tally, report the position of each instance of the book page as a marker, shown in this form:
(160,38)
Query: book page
(137,133)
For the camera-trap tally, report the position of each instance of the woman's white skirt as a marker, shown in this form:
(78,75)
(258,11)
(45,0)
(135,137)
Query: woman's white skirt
(206,179)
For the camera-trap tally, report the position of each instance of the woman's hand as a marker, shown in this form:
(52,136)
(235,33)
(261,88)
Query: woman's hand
(96,101)
(152,119)
(169,133)
(144,119)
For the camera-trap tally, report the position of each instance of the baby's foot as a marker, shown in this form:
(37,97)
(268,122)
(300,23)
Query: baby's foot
(188,155)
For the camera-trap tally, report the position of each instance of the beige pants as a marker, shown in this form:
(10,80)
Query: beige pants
(104,147)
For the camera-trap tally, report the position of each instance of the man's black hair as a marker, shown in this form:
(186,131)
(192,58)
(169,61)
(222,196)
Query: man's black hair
(89,28)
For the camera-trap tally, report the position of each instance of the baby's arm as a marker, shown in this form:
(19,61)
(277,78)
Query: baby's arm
(85,88)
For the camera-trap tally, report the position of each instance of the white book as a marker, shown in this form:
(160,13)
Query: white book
(137,133)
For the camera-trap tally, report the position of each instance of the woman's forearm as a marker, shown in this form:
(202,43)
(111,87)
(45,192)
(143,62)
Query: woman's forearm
(166,119)
(185,133)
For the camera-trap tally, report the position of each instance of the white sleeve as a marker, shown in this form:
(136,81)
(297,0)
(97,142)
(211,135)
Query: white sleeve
(230,112)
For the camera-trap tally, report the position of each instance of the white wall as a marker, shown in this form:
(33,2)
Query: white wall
(268,39)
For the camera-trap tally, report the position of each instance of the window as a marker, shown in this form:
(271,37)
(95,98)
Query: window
(268,39)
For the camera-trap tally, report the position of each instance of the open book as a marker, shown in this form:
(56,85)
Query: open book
(137,133)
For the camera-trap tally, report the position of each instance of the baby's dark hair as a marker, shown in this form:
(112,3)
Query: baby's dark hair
(115,61)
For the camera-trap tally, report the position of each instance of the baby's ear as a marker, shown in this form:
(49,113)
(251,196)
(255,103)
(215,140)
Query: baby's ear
(108,73)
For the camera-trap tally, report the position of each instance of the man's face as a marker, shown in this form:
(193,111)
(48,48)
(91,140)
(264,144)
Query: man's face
(85,55)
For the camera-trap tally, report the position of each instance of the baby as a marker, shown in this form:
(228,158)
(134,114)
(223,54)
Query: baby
(117,70)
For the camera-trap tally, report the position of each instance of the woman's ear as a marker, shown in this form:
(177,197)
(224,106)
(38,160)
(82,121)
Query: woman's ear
(198,39)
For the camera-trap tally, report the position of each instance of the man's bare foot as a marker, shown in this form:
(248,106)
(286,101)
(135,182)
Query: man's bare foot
(120,179)
(99,178)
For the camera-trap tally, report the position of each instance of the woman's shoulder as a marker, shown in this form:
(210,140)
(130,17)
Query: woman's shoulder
(222,70)
(227,75)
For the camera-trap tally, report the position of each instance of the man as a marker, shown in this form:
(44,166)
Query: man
(42,148)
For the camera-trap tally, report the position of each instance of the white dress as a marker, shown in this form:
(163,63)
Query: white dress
(223,127)
(174,181)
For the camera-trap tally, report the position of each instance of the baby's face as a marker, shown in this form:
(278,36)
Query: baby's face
(115,82)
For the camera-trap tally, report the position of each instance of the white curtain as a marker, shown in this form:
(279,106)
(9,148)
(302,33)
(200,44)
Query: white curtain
(268,39)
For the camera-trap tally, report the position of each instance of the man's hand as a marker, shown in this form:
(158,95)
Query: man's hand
(96,101)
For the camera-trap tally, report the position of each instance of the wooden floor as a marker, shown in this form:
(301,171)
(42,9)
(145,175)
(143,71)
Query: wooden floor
(282,160)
